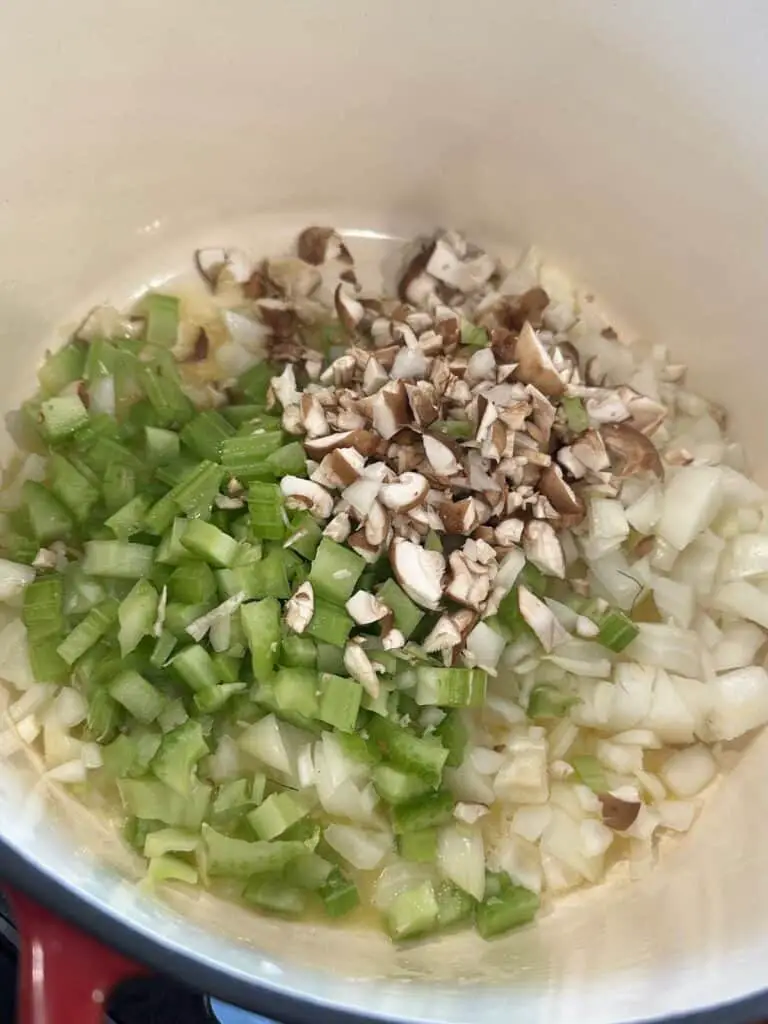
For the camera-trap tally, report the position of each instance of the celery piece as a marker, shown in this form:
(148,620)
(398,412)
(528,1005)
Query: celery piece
(590,772)
(358,749)
(275,897)
(278,812)
(254,383)
(576,415)
(339,701)
(194,665)
(197,490)
(89,631)
(62,367)
(151,800)
(137,696)
(261,623)
(512,907)
(339,894)
(118,486)
(450,687)
(265,504)
(170,840)
(304,535)
(475,337)
(407,614)
(214,698)
(72,489)
(423,756)
(136,615)
(413,912)
(232,798)
(335,572)
(453,904)
(173,715)
(179,752)
(395,786)
(205,433)
(298,651)
(161,515)
(162,313)
(426,811)
(117,559)
(162,649)
(310,871)
(617,630)
(46,663)
(179,616)
(330,658)
(159,382)
(238,858)
(48,518)
(228,668)
(419,847)
(209,543)
(42,608)
(243,457)
(162,446)
(296,689)
(330,623)
(548,701)
(289,460)
(129,519)
(237,415)
(453,734)
(62,416)
(103,717)
(169,869)
(171,551)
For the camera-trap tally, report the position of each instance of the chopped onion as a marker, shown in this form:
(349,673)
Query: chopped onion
(101,396)
(739,702)
(668,647)
(69,708)
(14,658)
(485,646)
(31,701)
(226,762)
(674,600)
(688,771)
(595,837)
(90,755)
(69,773)
(643,514)
(398,878)
(612,577)
(530,822)
(746,556)
(738,646)
(692,499)
(620,757)
(677,815)
(461,858)
(362,848)
(744,600)
(583,658)
(13,578)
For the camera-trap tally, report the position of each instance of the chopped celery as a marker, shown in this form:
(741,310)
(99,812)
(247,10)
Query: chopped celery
(395,786)
(129,519)
(214,698)
(162,446)
(169,869)
(197,490)
(278,812)
(420,846)
(209,543)
(47,664)
(163,649)
(103,717)
(330,623)
(265,504)
(310,871)
(233,797)
(453,904)
(238,858)
(261,623)
(254,383)
(339,894)
(137,696)
(450,687)
(179,752)
(171,551)
(137,614)
(426,811)
(228,669)
(117,559)
(48,518)
(192,583)
(407,614)
(89,631)
(576,415)
(339,701)
(453,734)
(330,658)
(162,312)
(413,912)
(275,897)
(118,486)
(243,457)
(170,840)
(475,337)
(205,433)
(296,690)
(289,460)
(42,609)
(512,907)
(72,489)
(196,668)
(548,701)
(617,630)
(178,617)
(423,756)
(62,416)
(173,714)
(304,535)
(335,571)
(62,367)
(151,800)
(298,651)
(171,405)
(591,772)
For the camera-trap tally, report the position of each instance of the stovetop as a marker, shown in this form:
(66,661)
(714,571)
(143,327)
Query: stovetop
(144,1001)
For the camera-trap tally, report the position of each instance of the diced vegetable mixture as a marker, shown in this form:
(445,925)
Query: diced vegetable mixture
(437,604)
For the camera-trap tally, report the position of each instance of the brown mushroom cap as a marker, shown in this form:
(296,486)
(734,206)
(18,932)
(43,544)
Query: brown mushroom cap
(618,814)
(559,492)
(313,244)
(534,364)
(630,451)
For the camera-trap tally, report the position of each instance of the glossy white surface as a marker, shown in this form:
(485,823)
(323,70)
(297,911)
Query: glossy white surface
(625,139)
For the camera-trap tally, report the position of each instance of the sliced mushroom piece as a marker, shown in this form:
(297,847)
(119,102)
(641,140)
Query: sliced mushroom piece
(444,636)
(541,619)
(470,583)
(349,311)
(631,452)
(306,494)
(405,493)
(359,666)
(529,306)
(365,490)
(534,364)
(419,572)
(487,416)
(589,448)
(509,532)
(318,245)
(543,413)
(415,285)
(465,275)
(542,547)
(339,468)
(300,608)
(376,525)
(618,814)
(359,543)
(565,501)
(217,266)
(440,457)
(291,420)
(284,387)
(374,376)
(362,441)
(313,417)
(392,640)
(424,402)
(365,608)
(390,409)
(606,407)
(339,528)
(409,364)
(460,517)
(481,366)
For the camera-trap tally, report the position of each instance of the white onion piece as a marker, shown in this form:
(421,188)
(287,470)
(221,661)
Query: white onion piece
(245,332)
(59,746)
(743,599)
(614,577)
(677,815)
(90,755)
(33,467)
(697,697)
(643,514)
(31,701)
(595,837)
(485,761)
(621,758)
(740,702)
(632,694)
(738,646)
(226,762)
(669,716)
(69,708)
(485,646)
(698,564)
(461,858)
(638,738)
(362,848)
(582,658)
(739,490)
(398,878)
(13,578)
(14,657)
(530,822)
(523,776)
(652,785)
(668,647)
(68,773)
(558,876)
(510,568)
(305,767)
(275,743)
(746,556)
(689,771)
(674,600)
(562,839)
(468,785)
(102,396)
(692,499)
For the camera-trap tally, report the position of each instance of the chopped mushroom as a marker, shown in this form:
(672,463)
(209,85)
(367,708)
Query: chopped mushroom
(365,608)
(300,493)
(534,364)
(404,493)
(300,608)
(542,547)
(631,451)
(418,571)
(359,666)
(618,814)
